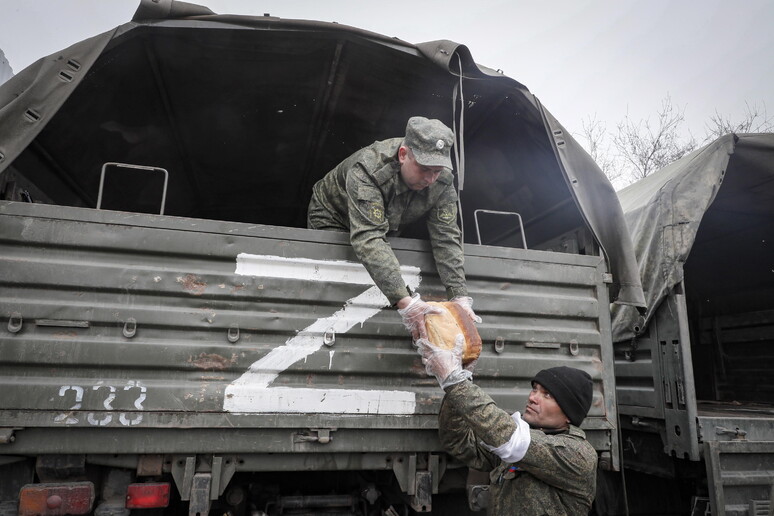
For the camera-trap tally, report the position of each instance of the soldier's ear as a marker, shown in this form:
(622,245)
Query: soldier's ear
(402,153)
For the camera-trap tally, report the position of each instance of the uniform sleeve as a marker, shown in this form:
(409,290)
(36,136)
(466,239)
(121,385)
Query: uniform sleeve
(368,234)
(471,424)
(445,238)
(460,442)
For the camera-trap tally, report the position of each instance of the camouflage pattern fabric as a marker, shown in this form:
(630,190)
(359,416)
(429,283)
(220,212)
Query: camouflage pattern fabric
(366,196)
(557,476)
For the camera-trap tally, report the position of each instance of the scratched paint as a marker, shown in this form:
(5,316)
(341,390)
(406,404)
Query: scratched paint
(252,392)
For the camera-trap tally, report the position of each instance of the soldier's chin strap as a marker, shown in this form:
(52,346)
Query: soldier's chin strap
(459,148)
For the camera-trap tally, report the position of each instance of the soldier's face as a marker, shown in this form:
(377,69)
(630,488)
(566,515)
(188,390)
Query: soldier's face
(416,176)
(542,410)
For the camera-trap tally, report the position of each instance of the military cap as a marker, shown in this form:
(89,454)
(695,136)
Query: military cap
(430,141)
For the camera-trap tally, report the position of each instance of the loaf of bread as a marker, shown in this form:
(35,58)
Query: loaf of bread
(442,330)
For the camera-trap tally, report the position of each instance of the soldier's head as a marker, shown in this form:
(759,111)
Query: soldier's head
(425,152)
(560,396)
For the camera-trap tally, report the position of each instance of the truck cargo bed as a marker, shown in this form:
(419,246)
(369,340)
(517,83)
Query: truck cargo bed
(186,335)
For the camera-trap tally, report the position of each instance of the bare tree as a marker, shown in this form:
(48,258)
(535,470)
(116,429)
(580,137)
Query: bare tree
(595,136)
(754,120)
(645,147)
(640,147)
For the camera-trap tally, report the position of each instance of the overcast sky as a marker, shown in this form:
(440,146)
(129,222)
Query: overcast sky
(581,58)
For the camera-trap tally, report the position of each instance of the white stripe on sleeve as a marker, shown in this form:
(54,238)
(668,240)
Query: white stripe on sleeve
(516,447)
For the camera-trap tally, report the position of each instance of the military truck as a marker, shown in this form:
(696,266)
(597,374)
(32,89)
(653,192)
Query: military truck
(176,341)
(694,380)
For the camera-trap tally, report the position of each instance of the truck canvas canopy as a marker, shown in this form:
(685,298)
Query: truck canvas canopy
(716,205)
(246,113)
(693,376)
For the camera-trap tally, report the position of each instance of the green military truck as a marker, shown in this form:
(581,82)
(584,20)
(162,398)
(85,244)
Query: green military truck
(174,339)
(694,383)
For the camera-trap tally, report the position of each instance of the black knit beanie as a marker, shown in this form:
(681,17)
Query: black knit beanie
(571,388)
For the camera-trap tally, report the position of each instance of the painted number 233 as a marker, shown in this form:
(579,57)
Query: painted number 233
(107,394)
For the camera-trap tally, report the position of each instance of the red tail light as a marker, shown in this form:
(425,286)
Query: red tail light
(147,496)
(56,499)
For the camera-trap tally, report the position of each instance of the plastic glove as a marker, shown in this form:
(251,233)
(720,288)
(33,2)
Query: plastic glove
(444,364)
(466,303)
(414,316)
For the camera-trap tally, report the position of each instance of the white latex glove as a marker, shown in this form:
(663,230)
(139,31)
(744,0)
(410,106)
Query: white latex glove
(466,303)
(414,316)
(444,364)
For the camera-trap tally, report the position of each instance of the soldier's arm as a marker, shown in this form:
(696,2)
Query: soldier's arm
(505,436)
(368,235)
(490,423)
(461,442)
(446,241)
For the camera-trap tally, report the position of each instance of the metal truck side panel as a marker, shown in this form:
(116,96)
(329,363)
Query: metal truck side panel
(146,324)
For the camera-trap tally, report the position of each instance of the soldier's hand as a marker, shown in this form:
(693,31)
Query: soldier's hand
(413,316)
(445,364)
(466,303)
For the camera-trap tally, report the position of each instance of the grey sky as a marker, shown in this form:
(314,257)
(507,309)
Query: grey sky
(580,58)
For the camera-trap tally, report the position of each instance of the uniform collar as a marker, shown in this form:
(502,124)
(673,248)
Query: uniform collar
(401,187)
(570,430)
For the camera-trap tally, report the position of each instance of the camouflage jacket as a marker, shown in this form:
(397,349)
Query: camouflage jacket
(366,196)
(557,476)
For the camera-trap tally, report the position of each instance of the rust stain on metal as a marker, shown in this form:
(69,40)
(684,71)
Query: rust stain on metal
(192,284)
(209,361)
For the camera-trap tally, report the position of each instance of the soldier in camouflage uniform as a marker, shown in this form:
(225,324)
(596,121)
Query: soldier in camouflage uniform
(539,463)
(379,189)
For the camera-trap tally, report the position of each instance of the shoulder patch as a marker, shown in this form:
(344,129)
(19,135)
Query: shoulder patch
(447,213)
(373,211)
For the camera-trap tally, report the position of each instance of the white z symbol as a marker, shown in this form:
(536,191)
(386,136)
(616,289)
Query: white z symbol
(251,392)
